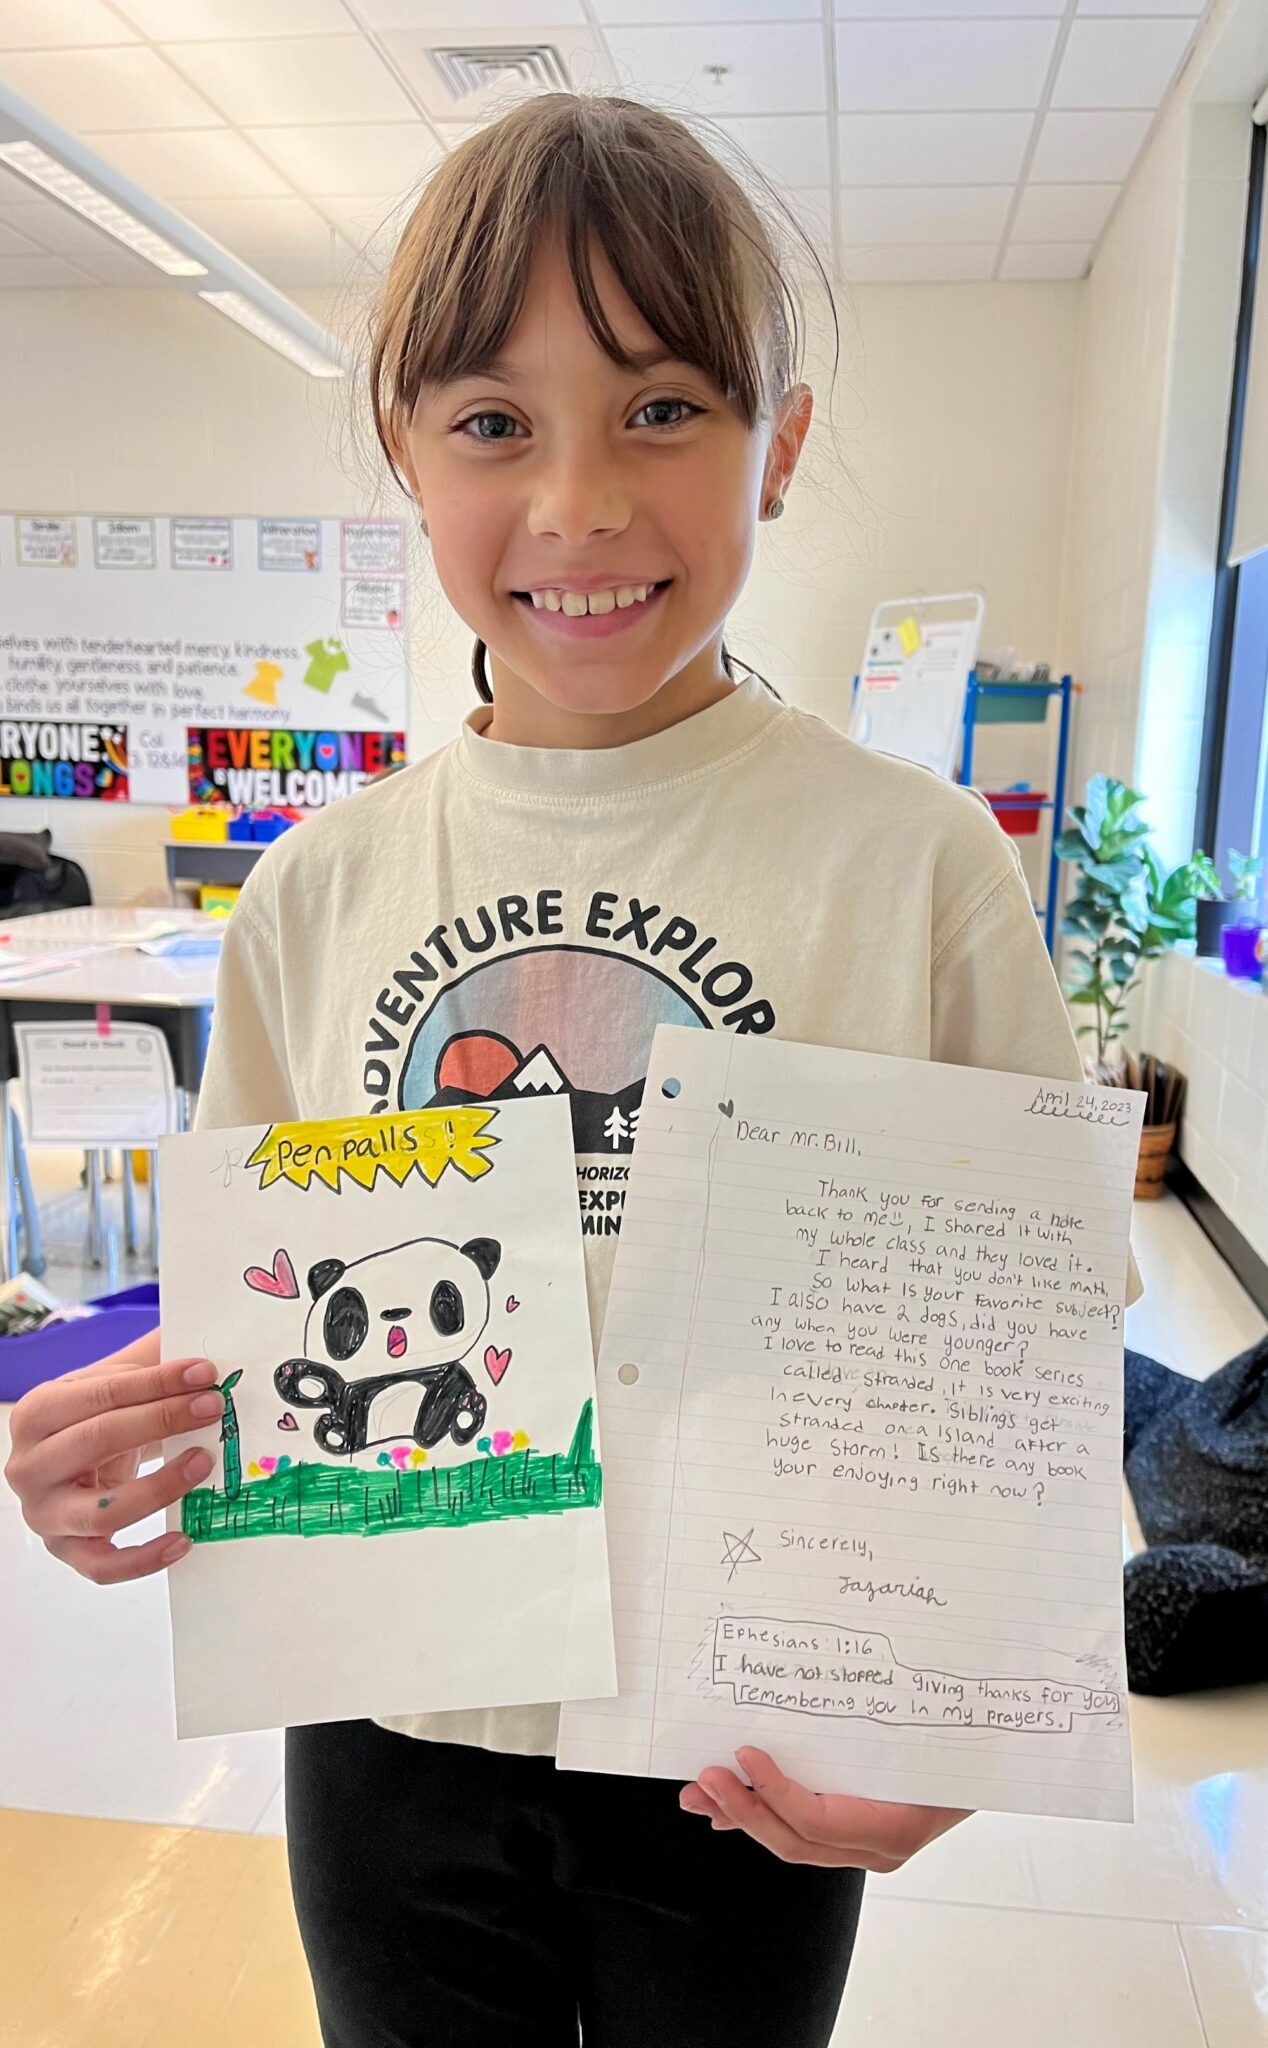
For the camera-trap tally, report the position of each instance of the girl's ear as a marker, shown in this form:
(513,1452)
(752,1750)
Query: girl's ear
(791,425)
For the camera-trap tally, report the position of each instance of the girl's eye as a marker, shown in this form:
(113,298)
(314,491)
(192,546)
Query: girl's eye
(682,405)
(476,419)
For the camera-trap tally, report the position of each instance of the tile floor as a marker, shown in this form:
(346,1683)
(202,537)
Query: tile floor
(125,1858)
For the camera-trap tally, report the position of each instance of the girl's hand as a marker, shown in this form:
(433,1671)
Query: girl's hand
(78,1441)
(814,1827)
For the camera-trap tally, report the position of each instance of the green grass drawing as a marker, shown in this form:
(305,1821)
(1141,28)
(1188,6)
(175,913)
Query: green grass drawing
(335,1500)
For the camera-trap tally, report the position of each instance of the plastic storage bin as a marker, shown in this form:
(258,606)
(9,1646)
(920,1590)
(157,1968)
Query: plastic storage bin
(45,1354)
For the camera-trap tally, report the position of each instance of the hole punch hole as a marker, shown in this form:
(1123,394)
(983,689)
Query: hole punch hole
(627,1374)
(671,1088)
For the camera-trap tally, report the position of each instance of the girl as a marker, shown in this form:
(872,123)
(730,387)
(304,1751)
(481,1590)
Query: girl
(584,371)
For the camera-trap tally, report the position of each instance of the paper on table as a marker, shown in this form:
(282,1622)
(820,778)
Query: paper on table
(860,1388)
(397,1307)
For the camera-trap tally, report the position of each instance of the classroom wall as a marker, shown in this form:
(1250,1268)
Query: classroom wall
(953,415)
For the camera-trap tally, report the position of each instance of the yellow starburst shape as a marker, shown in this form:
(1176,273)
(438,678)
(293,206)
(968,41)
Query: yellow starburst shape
(423,1141)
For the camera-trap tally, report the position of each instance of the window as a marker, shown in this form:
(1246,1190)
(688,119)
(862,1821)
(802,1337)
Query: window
(1232,808)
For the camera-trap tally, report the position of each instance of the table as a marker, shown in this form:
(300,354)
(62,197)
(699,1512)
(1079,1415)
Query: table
(174,995)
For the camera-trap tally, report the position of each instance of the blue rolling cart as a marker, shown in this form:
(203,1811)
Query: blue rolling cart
(1015,703)
(1028,705)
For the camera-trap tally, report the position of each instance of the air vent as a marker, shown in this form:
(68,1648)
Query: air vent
(533,67)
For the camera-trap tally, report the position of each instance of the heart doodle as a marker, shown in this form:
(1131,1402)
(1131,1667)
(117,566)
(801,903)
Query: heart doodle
(511,1304)
(287,1422)
(727,1108)
(495,1363)
(280,1282)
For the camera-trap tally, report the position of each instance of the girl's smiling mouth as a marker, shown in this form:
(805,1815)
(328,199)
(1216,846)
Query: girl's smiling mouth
(621,607)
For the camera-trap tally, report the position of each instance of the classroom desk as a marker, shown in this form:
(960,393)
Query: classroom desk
(174,995)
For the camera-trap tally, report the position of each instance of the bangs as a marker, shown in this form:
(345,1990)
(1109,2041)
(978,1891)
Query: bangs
(689,248)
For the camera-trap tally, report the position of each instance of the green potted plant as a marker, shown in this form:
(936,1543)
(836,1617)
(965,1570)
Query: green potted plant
(1239,937)
(1126,910)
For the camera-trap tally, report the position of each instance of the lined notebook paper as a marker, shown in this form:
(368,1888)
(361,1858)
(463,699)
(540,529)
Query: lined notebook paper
(860,1398)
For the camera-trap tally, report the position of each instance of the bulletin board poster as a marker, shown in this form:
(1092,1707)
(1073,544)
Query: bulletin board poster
(176,660)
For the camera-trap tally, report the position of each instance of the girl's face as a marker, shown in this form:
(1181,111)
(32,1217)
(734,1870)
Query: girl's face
(556,475)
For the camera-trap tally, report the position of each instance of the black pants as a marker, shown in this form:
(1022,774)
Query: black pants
(462,1898)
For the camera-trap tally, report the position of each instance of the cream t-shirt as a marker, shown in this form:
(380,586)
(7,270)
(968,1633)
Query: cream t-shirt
(497,916)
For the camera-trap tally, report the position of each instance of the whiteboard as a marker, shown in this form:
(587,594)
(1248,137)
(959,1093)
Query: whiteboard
(130,647)
(914,677)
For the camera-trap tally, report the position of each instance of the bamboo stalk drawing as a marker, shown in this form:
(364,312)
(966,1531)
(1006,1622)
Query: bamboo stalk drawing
(229,1438)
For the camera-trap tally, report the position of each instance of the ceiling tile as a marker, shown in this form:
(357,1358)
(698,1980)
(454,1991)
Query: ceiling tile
(303,79)
(454,17)
(1120,63)
(813,210)
(387,157)
(192,163)
(945,10)
(791,149)
(285,239)
(25,273)
(942,64)
(922,263)
(580,51)
(1063,213)
(1088,147)
(14,243)
(645,13)
(125,88)
(371,223)
(771,69)
(1189,7)
(1036,260)
(910,213)
(930,149)
(59,24)
(224,21)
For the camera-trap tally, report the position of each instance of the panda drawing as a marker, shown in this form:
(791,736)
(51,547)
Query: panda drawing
(401,1321)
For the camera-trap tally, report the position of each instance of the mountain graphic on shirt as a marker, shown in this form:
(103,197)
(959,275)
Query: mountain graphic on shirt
(483,1066)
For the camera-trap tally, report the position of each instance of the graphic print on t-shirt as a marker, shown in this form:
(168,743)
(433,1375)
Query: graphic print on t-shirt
(558,1015)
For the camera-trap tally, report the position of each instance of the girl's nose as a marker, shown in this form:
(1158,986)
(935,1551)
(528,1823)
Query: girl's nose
(579,503)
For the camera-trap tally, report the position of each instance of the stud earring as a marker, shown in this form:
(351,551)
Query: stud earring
(775,510)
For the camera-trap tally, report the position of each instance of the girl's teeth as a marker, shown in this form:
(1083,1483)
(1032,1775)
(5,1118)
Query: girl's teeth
(575,603)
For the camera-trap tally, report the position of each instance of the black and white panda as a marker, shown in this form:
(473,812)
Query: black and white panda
(401,1320)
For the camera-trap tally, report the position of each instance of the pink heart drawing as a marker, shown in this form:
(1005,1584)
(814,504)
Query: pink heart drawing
(287,1421)
(267,1464)
(280,1282)
(511,1304)
(495,1363)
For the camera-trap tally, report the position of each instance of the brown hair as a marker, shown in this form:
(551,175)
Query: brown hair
(691,249)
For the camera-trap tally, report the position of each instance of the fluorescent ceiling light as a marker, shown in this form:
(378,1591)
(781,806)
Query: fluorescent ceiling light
(67,185)
(72,173)
(314,360)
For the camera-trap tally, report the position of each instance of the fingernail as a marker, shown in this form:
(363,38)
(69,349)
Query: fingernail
(200,1374)
(174,1550)
(207,1404)
(198,1464)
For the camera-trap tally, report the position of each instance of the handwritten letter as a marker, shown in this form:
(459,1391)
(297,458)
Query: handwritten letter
(860,1390)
